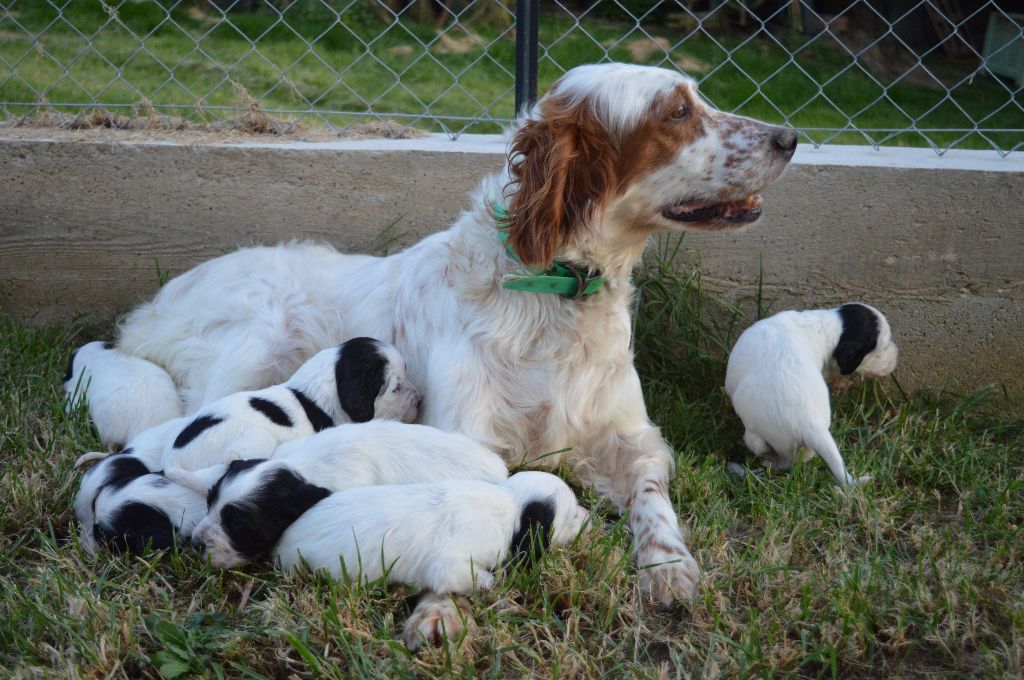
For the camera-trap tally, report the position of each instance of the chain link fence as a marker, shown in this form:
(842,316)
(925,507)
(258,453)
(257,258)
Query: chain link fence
(937,73)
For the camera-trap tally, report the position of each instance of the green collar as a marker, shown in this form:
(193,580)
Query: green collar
(561,278)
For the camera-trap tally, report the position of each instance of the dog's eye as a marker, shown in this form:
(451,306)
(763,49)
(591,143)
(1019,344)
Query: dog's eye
(681,113)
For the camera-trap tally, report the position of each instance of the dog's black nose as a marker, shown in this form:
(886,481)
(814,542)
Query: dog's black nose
(784,140)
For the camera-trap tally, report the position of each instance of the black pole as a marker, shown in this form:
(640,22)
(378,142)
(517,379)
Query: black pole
(527,38)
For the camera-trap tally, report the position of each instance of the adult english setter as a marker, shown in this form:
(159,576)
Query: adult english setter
(612,154)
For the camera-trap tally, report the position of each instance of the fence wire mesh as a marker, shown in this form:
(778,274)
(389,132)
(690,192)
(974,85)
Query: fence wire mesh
(938,73)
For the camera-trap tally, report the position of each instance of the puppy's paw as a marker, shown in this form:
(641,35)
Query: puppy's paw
(483,579)
(851,482)
(436,619)
(839,384)
(667,575)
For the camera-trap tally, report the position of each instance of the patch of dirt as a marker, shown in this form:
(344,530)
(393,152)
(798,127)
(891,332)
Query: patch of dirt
(400,51)
(450,44)
(141,125)
(691,65)
(642,49)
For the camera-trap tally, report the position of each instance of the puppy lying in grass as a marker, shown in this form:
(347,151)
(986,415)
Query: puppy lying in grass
(777,372)
(148,512)
(445,537)
(362,379)
(123,503)
(141,393)
(255,500)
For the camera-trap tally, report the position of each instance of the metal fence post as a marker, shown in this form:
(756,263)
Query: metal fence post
(527,38)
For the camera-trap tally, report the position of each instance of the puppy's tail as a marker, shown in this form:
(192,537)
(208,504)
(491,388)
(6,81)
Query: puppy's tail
(199,481)
(825,446)
(90,457)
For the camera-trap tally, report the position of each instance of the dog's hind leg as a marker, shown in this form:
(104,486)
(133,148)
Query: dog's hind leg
(435,619)
(454,574)
(757,445)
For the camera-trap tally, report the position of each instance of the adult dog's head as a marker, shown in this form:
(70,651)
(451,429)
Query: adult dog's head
(615,152)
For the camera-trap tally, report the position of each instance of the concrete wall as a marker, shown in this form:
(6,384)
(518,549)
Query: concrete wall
(935,242)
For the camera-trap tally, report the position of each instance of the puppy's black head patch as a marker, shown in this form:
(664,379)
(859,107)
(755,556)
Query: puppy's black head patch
(359,373)
(133,527)
(235,467)
(194,429)
(859,337)
(272,411)
(532,537)
(70,370)
(253,526)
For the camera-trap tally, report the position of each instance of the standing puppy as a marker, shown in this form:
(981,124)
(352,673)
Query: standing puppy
(125,394)
(776,379)
(252,504)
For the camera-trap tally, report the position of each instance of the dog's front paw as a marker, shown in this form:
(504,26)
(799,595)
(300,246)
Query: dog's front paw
(667,575)
(435,619)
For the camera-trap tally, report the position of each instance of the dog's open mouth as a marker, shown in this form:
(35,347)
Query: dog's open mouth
(733,212)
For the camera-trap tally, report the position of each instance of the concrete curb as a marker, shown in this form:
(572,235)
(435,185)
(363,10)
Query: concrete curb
(933,241)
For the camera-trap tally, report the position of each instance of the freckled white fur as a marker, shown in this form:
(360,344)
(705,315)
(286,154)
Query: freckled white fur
(125,394)
(360,454)
(776,380)
(524,374)
(445,537)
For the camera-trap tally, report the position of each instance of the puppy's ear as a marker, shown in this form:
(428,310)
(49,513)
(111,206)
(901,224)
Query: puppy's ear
(70,372)
(136,527)
(859,337)
(200,481)
(561,167)
(533,536)
(359,375)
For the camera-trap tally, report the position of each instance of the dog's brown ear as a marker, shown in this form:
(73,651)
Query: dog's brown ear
(562,167)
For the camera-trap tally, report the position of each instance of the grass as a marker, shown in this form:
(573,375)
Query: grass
(920,574)
(199,65)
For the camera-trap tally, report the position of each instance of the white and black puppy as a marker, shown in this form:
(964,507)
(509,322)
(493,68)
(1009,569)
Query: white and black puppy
(149,511)
(255,500)
(124,503)
(124,394)
(360,380)
(776,379)
(141,457)
(445,536)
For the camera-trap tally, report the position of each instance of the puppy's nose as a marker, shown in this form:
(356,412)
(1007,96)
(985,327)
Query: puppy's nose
(784,140)
(197,544)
